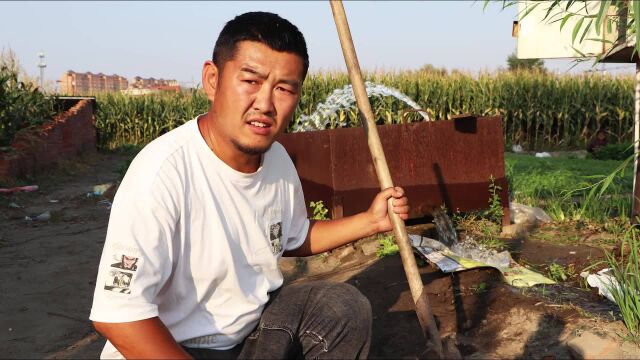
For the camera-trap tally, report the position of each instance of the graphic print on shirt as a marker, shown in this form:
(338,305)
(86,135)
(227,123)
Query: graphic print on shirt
(274,230)
(118,281)
(121,273)
(275,237)
(126,263)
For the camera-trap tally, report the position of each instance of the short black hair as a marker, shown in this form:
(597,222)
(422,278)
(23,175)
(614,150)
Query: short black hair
(263,27)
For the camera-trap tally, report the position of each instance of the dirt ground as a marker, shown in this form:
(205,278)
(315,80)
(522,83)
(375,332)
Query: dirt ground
(48,271)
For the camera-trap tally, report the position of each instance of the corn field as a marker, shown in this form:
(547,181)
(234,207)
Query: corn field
(539,110)
(123,119)
(22,106)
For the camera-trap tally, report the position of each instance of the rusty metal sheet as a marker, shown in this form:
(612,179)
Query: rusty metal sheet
(438,163)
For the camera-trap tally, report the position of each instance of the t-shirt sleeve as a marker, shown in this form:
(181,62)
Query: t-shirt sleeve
(137,258)
(299,221)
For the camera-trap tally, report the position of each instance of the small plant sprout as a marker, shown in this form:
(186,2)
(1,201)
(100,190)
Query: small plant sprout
(478,289)
(494,213)
(387,246)
(558,273)
(319,210)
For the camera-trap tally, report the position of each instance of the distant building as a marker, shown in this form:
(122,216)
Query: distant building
(153,83)
(73,83)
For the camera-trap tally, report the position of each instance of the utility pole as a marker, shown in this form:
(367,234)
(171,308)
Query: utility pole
(41,65)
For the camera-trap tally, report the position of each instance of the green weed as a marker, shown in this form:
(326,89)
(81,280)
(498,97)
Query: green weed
(626,270)
(559,273)
(387,246)
(319,210)
(491,243)
(494,213)
(478,289)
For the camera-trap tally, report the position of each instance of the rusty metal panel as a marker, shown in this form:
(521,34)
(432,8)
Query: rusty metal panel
(438,163)
(310,153)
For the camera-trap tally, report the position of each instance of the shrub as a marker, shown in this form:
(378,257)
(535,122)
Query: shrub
(613,152)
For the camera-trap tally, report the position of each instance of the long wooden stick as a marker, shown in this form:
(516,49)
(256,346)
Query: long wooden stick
(382,170)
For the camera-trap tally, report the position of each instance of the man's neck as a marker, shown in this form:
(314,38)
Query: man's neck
(225,150)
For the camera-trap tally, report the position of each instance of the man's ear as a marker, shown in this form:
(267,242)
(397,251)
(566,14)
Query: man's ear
(210,76)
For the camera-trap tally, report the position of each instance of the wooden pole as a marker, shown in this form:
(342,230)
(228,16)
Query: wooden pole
(423,308)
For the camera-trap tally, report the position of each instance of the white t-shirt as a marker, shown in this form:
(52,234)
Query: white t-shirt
(195,242)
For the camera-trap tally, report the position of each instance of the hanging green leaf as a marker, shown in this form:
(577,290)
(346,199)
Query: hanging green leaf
(576,29)
(602,13)
(564,20)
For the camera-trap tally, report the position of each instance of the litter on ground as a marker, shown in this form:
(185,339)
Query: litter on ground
(603,280)
(27,188)
(464,257)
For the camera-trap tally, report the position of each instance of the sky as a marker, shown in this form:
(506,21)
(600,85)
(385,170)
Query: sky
(171,40)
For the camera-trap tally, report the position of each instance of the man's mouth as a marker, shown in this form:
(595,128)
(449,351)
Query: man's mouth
(259,124)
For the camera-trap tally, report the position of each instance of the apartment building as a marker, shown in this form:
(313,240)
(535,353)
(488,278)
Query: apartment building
(153,83)
(73,83)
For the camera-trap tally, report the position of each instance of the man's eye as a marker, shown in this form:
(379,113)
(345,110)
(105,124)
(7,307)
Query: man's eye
(285,90)
(251,82)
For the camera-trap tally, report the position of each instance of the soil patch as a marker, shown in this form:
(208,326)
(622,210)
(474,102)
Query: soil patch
(471,305)
(48,271)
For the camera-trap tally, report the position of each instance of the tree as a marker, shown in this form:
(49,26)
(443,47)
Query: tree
(525,64)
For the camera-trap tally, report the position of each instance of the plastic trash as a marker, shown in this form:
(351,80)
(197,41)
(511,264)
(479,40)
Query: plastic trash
(455,259)
(101,189)
(27,188)
(423,241)
(527,214)
(543,155)
(471,250)
(105,202)
(516,148)
(15,206)
(602,280)
(45,216)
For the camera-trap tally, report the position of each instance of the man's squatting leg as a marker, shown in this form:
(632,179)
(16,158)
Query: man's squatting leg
(314,320)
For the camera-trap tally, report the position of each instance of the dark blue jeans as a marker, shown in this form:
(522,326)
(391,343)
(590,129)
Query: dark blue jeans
(314,320)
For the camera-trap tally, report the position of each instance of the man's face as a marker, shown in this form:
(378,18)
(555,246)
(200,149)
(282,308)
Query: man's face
(128,262)
(255,96)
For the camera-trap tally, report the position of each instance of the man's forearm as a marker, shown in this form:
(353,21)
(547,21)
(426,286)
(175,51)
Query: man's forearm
(143,339)
(325,235)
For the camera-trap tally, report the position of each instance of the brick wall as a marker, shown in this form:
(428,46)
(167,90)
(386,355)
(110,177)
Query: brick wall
(67,135)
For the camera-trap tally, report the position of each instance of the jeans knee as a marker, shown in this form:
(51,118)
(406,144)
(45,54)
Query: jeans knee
(353,306)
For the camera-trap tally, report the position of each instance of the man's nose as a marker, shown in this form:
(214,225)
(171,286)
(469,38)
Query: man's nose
(264,100)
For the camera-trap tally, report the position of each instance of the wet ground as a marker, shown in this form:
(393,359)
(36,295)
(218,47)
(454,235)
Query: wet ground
(48,271)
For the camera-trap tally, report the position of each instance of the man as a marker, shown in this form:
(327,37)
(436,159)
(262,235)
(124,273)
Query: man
(599,141)
(208,208)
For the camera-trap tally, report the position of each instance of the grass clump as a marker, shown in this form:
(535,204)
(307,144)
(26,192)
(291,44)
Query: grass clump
(386,246)
(547,178)
(559,273)
(625,268)
(619,152)
(572,189)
